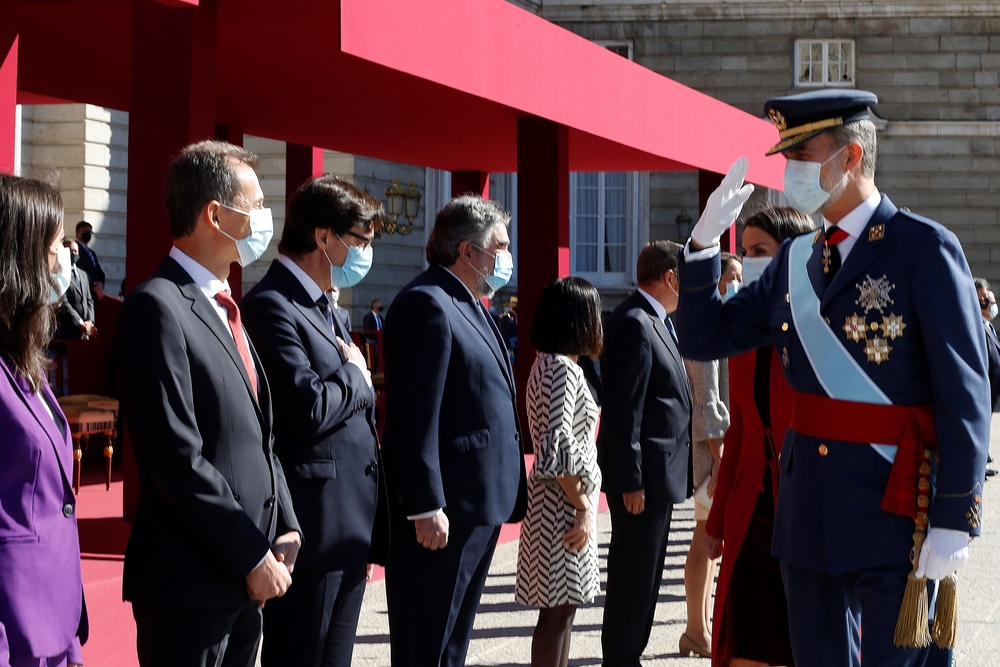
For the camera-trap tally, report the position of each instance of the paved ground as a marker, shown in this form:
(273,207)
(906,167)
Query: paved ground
(503,629)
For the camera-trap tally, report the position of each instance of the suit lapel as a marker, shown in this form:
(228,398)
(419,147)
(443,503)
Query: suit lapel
(475,315)
(668,341)
(297,294)
(862,254)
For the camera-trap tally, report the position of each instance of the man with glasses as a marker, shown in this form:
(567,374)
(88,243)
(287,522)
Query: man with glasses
(454,464)
(877,327)
(324,430)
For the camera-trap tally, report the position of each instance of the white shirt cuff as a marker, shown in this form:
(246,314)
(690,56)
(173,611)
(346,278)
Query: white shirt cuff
(691,255)
(425,515)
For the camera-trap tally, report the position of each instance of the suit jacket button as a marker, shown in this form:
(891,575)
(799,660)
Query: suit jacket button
(784,326)
(236,497)
(823,450)
(517,436)
(370,469)
(68,510)
(269,502)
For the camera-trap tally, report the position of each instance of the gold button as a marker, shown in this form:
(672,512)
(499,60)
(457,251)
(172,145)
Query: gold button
(788,298)
(823,450)
(977,499)
(827,319)
(874,326)
(784,326)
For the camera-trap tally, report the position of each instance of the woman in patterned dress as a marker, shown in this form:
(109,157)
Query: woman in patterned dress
(557,558)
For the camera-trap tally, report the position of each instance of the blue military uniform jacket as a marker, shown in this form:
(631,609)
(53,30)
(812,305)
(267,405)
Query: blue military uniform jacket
(904,306)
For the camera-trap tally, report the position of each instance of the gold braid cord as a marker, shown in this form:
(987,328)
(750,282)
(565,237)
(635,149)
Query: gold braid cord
(911,626)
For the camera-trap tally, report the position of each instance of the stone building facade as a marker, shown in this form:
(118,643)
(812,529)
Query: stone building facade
(934,65)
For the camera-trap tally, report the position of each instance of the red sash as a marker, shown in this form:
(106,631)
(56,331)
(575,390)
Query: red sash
(909,427)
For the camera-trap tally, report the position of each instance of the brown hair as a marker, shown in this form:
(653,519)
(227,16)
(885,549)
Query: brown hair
(30,215)
(780,222)
(326,202)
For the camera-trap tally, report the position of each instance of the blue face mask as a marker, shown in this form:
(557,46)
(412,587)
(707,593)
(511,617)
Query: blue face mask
(731,289)
(503,269)
(802,184)
(252,247)
(355,268)
(61,280)
(753,268)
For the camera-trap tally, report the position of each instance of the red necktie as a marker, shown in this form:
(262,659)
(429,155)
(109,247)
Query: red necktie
(233,315)
(831,253)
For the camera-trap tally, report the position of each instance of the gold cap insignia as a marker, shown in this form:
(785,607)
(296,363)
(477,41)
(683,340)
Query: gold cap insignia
(777,118)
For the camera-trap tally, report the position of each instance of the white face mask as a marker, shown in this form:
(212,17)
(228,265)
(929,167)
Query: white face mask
(732,287)
(753,268)
(252,246)
(803,187)
(994,310)
(61,280)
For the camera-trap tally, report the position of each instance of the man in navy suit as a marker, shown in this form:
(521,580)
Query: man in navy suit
(988,306)
(879,333)
(453,459)
(644,449)
(214,536)
(324,432)
(88,258)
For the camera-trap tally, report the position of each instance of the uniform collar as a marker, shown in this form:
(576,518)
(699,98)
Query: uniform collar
(855,222)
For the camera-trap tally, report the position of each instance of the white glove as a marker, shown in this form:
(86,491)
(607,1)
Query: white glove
(723,206)
(944,551)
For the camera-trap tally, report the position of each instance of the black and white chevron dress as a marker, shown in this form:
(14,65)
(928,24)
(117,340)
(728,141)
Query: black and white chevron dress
(562,419)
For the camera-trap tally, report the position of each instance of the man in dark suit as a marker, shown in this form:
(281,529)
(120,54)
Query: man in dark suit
(214,536)
(342,314)
(988,306)
(373,319)
(454,464)
(75,316)
(324,429)
(88,258)
(644,449)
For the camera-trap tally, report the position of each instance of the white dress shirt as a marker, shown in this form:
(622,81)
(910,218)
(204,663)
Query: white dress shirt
(854,223)
(207,281)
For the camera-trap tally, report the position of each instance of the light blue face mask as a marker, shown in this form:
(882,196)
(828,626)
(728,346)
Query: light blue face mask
(252,247)
(753,268)
(61,280)
(355,268)
(802,184)
(731,289)
(503,268)
(994,310)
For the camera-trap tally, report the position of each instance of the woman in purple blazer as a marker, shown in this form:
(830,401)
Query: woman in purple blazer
(43,618)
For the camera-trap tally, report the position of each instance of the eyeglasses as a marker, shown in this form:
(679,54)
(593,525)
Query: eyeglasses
(367,242)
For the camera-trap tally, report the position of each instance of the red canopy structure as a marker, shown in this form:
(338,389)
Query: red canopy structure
(469,87)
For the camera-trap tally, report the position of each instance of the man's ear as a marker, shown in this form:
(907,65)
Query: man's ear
(465,251)
(211,212)
(854,154)
(320,236)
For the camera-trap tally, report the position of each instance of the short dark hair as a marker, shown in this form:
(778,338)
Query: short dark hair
(465,218)
(981,283)
(31,213)
(83,223)
(780,222)
(568,318)
(374,301)
(655,259)
(326,202)
(203,172)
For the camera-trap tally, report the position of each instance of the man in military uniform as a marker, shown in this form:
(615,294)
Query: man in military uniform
(877,325)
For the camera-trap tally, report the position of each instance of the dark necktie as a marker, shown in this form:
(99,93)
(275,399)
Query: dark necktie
(326,308)
(239,336)
(831,254)
(670,328)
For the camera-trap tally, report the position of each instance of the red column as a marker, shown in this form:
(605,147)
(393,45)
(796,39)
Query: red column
(172,104)
(234,135)
(542,227)
(301,164)
(8,84)
(707,182)
(476,182)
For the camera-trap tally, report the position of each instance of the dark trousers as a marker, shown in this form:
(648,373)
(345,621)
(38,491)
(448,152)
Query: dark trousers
(834,619)
(315,623)
(433,595)
(195,637)
(635,572)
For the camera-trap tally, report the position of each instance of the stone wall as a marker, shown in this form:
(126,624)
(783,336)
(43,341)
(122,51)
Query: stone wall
(934,66)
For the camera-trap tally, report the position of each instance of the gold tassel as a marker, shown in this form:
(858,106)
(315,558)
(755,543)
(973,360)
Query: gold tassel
(946,613)
(911,626)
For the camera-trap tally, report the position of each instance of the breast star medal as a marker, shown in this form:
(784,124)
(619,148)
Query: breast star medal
(874,295)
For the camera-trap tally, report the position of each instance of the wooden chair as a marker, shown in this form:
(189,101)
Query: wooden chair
(87,415)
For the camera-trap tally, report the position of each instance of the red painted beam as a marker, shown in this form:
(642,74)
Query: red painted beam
(172,104)
(8,84)
(542,227)
(301,164)
(475,182)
